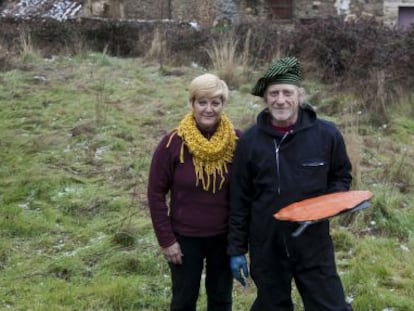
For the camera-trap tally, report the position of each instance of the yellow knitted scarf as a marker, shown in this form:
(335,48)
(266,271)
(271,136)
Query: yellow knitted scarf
(210,156)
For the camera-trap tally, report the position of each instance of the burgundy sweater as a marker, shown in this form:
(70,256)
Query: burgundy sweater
(176,203)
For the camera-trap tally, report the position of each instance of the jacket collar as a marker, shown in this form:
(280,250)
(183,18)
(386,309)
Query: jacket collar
(307,117)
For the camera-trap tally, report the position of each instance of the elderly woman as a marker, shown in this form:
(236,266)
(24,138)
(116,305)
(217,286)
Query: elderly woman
(192,165)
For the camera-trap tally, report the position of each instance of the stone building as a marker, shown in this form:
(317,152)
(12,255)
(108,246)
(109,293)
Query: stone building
(394,13)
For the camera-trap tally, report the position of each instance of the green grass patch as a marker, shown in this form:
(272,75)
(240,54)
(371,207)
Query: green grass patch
(77,135)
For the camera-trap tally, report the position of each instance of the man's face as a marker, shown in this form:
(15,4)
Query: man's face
(282,101)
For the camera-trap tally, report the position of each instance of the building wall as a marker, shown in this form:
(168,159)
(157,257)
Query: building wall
(308,9)
(212,12)
(146,9)
(368,8)
(305,9)
(391,8)
(202,12)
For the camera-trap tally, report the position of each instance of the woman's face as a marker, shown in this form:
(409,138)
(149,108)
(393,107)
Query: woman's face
(207,111)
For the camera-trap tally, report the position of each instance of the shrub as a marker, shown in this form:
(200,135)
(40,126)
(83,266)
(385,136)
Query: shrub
(347,55)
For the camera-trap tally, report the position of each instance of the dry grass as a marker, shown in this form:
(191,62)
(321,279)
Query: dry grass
(158,47)
(27,49)
(227,62)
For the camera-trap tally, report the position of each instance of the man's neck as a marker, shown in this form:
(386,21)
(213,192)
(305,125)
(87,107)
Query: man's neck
(282,129)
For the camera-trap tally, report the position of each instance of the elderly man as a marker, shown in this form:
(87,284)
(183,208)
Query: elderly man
(289,155)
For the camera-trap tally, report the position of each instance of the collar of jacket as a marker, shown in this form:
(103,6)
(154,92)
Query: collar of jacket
(307,117)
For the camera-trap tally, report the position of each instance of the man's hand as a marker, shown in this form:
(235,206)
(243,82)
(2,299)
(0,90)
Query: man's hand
(173,254)
(238,263)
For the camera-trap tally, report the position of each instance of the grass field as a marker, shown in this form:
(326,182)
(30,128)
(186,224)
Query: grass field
(76,138)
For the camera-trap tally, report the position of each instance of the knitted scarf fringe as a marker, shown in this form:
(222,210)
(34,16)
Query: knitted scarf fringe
(210,156)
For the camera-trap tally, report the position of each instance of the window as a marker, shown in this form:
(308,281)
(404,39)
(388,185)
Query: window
(405,17)
(281,9)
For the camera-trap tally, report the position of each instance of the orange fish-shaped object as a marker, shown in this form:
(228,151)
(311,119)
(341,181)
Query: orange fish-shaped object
(322,207)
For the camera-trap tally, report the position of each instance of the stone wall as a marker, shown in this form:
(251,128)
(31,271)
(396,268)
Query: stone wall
(391,10)
(209,11)
(147,9)
(368,8)
(213,12)
(305,9)
(201,11)
(104,8)
(128,9)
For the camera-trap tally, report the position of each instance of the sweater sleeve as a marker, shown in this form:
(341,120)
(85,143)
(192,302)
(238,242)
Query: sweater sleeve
(159,184)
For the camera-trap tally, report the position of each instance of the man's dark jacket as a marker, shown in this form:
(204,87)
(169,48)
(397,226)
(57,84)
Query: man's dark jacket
(271,170)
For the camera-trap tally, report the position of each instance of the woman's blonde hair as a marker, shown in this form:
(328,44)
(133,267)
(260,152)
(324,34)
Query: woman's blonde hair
(208,85)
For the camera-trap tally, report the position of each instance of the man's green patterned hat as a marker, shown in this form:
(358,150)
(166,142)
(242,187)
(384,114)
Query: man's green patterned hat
(285,70)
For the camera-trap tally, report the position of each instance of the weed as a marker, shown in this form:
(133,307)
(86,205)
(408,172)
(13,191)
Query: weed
(28,53)
(223,56)
(158,48)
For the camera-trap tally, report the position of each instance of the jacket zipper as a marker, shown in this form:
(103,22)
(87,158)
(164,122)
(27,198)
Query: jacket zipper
(277,147)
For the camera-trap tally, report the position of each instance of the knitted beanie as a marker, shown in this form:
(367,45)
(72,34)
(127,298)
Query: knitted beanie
(285,70)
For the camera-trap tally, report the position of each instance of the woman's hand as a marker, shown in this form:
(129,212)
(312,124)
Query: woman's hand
(173,254)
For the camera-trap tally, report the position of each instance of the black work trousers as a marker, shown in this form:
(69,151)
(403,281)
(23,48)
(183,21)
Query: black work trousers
(308,260)
(186,278)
